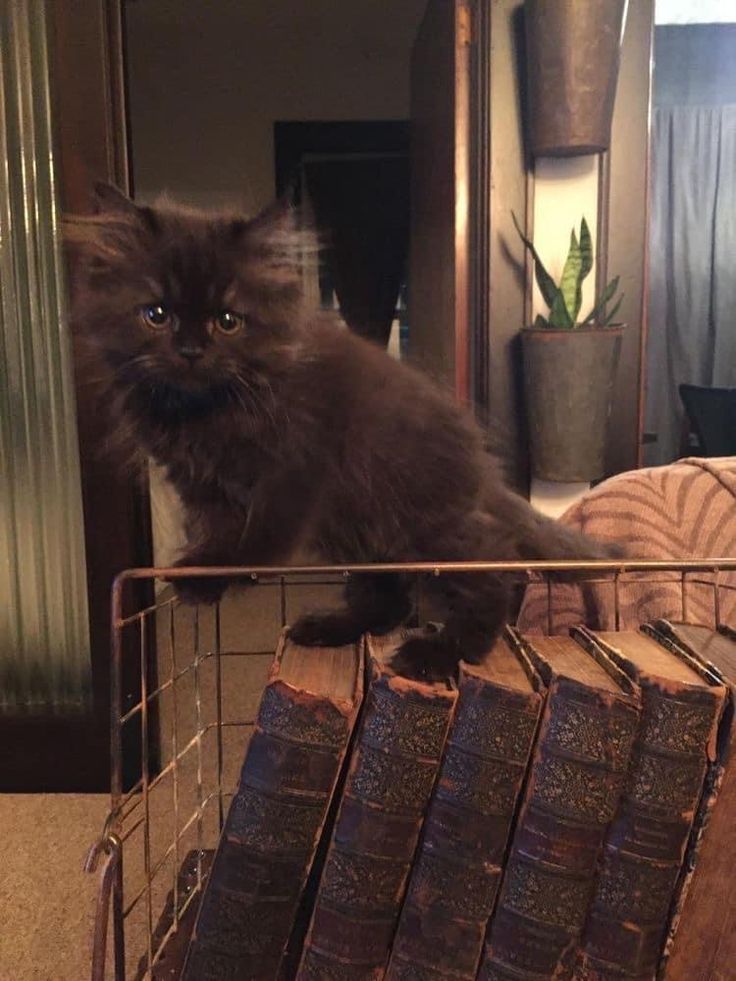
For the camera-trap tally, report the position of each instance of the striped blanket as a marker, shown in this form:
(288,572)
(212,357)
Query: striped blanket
(686,510)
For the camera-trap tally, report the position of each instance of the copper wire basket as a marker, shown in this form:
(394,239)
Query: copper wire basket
(186,683)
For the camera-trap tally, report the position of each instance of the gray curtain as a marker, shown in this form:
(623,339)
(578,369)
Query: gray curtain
(692,263)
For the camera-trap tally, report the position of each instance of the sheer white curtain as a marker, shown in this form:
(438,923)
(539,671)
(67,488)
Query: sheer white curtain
(692,263)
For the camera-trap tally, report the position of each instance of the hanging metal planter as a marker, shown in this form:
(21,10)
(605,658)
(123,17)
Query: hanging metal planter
(569,377)
(570,367)
(572,52)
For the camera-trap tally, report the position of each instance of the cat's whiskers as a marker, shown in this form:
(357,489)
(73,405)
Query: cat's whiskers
(255,407)
(265,384)
(237,395)
(129,371)
(242,394)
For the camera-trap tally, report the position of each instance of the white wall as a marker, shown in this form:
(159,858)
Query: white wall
(207,82)
(695,11)
(564,190)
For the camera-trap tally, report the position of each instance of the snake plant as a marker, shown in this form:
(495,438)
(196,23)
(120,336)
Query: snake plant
(564,301)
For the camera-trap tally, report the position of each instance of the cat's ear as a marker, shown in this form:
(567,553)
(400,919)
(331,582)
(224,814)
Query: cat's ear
(277,251)
(109,200)
(276,221)
(110,235)
(280,229)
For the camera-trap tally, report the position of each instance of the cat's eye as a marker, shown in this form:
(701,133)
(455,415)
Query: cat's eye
(228,322)
(156,316)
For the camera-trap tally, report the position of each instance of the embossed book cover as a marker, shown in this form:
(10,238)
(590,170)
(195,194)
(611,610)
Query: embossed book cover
(702,929)
(457,870)
(388,786)
(577,772)
(275,820)
(681,706)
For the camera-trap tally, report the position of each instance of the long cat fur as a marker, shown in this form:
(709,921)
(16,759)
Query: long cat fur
(294,434)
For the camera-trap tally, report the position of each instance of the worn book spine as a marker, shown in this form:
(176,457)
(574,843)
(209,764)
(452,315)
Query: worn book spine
(457,872)
(701,938)
(627,922)
(271,833)
(389,782)
(576,777)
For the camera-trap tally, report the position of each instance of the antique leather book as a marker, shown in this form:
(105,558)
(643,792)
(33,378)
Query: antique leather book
(681,706)
(392,771)
(305,720)
(578,767)
(702,941)
(457,869)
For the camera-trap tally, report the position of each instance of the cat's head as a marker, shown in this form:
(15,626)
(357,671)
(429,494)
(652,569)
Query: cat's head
(186,307)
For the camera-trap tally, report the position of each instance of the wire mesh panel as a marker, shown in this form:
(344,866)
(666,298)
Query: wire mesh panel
(179,730)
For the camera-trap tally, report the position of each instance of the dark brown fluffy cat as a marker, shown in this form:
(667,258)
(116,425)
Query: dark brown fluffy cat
(283,431)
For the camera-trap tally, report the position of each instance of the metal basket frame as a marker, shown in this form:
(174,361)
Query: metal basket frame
(106,856)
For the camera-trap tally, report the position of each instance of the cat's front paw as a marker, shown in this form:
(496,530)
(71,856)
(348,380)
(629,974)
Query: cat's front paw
(426,659)
(325,630)
(195,590)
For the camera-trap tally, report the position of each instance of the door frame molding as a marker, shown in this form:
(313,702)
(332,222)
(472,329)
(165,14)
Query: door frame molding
(72,753)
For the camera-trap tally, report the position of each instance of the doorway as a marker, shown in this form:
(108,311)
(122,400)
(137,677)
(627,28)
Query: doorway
(352,181)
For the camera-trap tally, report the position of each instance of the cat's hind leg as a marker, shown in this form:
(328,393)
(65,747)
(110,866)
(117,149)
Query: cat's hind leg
(374,603)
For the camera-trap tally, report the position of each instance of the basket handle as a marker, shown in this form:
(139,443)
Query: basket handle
(108,850)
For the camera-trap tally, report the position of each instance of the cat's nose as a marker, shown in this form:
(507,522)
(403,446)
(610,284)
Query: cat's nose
(191,352)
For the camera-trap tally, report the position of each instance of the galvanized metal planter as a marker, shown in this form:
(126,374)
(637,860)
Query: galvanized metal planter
(572,53)
(568,381)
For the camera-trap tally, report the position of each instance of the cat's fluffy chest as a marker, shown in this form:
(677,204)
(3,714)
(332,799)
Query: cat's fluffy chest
(206,473)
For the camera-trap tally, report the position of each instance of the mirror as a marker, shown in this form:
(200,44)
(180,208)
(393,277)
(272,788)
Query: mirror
(234,104)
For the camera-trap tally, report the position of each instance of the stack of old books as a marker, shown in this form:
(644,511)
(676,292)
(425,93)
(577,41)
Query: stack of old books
(565,810)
